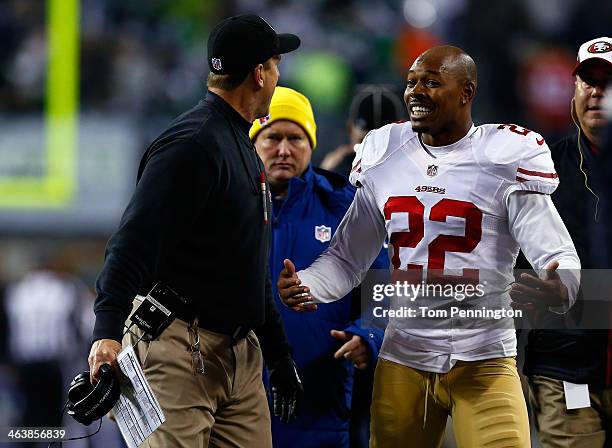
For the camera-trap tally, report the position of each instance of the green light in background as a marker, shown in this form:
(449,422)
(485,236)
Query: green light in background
(323,77)
(56,188)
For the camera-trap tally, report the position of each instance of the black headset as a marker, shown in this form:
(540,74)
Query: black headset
(87,402)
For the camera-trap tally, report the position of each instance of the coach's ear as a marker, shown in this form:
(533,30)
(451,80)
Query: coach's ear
(258,76)
(469,91)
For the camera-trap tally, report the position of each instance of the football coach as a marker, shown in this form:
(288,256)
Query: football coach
(200,208)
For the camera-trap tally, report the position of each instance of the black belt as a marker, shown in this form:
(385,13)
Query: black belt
(232,330)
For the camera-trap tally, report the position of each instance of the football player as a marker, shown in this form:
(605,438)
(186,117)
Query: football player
(450,196)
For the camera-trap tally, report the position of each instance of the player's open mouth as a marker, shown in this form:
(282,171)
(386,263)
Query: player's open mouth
(419,111)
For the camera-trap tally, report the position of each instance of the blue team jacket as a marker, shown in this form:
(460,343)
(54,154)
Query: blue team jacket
(302,228)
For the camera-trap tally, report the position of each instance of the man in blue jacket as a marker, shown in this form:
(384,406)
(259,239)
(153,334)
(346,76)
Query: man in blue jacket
(308,205)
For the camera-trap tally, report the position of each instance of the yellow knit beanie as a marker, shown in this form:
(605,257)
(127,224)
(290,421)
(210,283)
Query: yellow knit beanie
(288,104)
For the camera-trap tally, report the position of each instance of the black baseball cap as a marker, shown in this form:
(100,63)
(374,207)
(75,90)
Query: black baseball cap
(237,44)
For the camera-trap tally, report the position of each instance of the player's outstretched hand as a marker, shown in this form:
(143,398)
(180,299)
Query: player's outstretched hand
(531,292)
(291,291)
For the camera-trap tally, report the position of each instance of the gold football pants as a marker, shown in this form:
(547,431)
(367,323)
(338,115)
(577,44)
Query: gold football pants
(484,399)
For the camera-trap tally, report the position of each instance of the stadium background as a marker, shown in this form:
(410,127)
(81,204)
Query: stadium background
(85,85)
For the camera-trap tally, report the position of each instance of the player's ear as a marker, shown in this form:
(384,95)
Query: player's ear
(469,91)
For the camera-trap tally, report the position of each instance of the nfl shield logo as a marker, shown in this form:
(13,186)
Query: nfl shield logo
(323,233)
(432,170)
(216,63)
(264,120)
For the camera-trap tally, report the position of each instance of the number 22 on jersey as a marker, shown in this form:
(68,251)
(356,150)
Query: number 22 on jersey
(438,247)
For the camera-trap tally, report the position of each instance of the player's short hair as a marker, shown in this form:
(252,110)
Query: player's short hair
(456,60)
(229,82)
(466,68)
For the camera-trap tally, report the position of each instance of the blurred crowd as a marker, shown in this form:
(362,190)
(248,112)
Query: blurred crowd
(146,60)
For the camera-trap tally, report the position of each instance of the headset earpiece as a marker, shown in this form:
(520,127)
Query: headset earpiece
(78,387)
(86,402)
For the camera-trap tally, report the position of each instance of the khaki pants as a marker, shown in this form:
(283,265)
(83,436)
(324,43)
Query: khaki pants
(484,398)
(575,428)
(225,407)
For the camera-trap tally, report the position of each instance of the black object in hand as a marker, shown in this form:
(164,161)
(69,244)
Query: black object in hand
(86,402)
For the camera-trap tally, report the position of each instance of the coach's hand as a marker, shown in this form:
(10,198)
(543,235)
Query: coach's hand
(355,350)
(286,388)
(103,351)
(292,293)
(531,292)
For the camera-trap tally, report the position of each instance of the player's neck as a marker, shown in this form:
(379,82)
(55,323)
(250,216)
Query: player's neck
(448,136)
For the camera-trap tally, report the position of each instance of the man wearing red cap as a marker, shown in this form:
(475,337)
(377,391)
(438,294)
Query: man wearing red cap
(579,359)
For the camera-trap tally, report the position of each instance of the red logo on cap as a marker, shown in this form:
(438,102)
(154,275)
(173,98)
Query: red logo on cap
(600,47)
(264,120)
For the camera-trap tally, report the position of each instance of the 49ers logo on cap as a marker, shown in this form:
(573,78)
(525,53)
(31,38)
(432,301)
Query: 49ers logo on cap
(216,63)
(600,47)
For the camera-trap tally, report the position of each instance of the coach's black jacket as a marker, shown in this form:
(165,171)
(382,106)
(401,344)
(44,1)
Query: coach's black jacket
(578,356)
(196,223)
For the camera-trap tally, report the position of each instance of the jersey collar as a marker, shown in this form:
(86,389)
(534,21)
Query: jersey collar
(443,150)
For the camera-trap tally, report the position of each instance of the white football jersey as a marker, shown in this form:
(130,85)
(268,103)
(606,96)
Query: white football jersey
(449,210)
(445,207)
